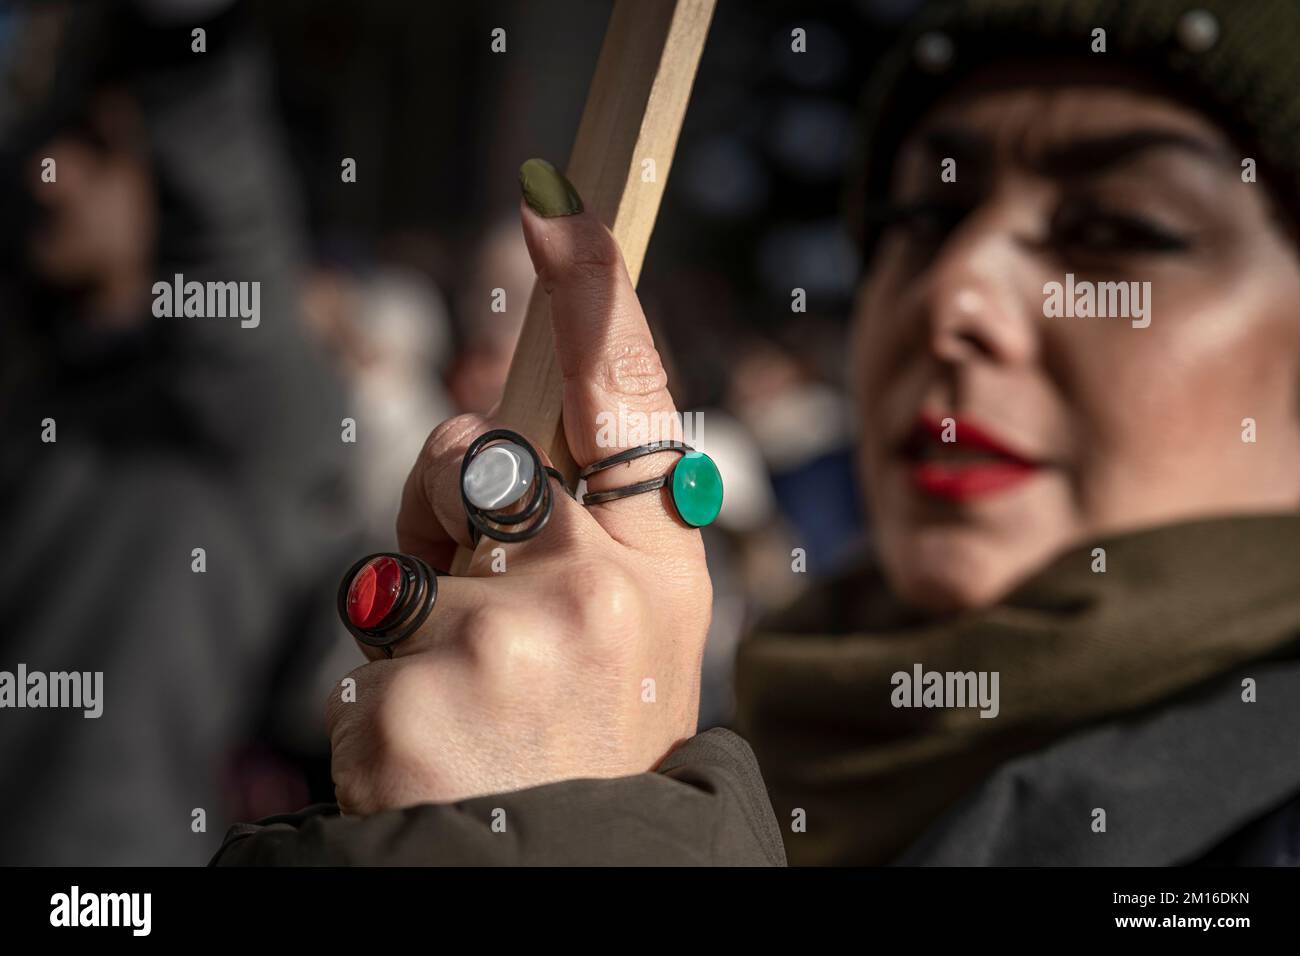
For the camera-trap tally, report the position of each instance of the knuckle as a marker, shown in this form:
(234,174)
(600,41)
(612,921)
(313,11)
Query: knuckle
(393,729)
(604,601)
(381,746)
(448,436)
(634,370)
(487,628)
(503,645)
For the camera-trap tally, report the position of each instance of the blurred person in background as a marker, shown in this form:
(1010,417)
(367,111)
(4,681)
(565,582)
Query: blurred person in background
(491,304)
(168,435)
(388,334)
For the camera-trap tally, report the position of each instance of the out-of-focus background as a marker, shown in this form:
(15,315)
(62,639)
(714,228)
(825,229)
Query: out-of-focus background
(177,497)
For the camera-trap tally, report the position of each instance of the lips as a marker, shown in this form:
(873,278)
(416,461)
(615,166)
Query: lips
(974,465)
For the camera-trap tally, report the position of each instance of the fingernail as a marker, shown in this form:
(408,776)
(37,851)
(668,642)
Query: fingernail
(546,190)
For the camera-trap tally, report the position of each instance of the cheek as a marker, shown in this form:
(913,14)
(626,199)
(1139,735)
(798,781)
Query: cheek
(862,346)
(874,344)
(1159,410)
(873,376)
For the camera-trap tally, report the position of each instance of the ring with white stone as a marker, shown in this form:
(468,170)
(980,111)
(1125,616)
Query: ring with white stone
(500,467)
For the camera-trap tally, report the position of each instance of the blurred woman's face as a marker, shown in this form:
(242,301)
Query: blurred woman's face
(1062,428)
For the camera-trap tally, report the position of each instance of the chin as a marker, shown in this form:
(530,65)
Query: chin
(949,572)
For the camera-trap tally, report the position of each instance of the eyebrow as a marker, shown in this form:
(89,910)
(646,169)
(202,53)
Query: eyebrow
(1079,156)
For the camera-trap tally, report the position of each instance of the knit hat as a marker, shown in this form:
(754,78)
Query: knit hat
(1238,61)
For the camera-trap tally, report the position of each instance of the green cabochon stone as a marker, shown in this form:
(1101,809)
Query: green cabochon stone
(697,489)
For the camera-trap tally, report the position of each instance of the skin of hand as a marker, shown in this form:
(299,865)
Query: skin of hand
(540,673)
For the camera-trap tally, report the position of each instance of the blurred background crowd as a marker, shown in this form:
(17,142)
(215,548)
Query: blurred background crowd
(174,434)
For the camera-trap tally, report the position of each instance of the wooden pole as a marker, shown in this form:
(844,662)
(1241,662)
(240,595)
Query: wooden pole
(633,115)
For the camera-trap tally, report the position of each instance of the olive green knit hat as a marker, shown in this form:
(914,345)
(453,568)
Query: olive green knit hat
(1236,60)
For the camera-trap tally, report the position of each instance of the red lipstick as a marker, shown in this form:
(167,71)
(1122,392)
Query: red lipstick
(975,465)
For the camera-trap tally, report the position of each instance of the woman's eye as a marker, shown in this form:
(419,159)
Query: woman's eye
(925,221)
(1101,232)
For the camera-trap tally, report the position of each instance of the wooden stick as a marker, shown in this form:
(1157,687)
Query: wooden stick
(634,112)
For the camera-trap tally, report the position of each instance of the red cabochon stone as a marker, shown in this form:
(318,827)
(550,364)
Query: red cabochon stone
(374,591)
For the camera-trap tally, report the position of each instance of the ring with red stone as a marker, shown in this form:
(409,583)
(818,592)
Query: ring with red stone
(384,598)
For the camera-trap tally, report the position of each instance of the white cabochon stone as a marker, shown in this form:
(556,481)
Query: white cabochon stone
(498,476)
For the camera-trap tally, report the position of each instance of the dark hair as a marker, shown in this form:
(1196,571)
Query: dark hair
(1247,81)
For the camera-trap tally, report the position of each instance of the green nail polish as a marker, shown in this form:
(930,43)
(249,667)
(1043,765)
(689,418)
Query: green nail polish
(546,190)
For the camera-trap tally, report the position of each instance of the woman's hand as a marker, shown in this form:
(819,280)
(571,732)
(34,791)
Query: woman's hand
(581,659)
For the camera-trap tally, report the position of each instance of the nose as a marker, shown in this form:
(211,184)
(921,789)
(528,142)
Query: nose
(979,301)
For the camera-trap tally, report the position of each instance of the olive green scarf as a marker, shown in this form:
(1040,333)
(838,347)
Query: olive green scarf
(855,779)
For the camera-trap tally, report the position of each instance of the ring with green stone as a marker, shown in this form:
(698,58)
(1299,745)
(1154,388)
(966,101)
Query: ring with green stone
(694,481)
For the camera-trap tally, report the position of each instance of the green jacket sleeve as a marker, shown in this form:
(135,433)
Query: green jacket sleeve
(705,806)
